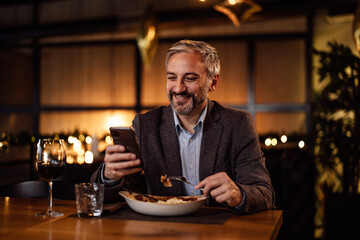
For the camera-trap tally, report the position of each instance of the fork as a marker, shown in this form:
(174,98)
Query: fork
(181,179)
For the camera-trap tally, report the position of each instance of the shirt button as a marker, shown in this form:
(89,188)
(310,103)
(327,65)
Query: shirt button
(190,140)
(191,165)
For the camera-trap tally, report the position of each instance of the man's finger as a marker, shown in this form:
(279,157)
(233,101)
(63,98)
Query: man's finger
(114,149)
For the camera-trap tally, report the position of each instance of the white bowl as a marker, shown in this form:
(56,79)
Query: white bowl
(157,209)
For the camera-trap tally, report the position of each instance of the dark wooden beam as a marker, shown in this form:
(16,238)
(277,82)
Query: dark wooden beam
(271,8)
(60,29)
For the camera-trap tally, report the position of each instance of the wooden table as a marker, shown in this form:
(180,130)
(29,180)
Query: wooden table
(17,221)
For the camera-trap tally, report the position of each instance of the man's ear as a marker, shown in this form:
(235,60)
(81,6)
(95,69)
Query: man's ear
(214,82)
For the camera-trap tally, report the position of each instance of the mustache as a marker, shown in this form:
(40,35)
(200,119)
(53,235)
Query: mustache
(185,93)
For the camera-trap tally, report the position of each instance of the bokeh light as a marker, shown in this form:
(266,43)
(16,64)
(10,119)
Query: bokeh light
(268,142)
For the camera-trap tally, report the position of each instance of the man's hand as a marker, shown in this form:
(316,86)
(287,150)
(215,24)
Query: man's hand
(222,189)
(119,163)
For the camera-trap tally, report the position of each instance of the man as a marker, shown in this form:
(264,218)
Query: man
(214,147)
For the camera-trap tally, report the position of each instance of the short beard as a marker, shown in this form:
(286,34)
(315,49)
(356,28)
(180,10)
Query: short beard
(181,109)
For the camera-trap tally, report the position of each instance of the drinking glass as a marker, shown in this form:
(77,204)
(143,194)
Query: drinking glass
(50,163)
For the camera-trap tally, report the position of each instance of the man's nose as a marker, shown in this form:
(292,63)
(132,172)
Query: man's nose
(179,86)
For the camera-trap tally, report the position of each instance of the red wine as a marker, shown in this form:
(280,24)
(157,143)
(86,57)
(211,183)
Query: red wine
(50,171)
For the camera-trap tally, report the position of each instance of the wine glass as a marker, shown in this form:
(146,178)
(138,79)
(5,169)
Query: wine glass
(50,163)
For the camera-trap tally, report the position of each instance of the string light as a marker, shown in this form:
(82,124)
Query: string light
(71,139)
(301,144)
(272,141)
(108,139)
(77,144)
(268,142)
(89,157)
(80,159)
(4,145)
(81,138)
(348,133)
(69,159)
(88,139)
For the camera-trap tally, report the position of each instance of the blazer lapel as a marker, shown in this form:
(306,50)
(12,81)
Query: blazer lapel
(210,142)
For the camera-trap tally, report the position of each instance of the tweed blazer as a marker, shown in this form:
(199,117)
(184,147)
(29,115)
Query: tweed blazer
(229,144)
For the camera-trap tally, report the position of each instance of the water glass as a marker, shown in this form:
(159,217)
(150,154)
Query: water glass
(89,199)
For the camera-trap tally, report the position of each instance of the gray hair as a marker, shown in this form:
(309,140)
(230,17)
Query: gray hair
(208,53)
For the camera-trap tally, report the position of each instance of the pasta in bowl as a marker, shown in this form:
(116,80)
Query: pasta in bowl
(165,206)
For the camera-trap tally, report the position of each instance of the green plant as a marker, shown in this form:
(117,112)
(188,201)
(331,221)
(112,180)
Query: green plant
(336,116)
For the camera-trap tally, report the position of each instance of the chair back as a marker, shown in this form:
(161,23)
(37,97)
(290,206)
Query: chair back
(39,189)
(27,189)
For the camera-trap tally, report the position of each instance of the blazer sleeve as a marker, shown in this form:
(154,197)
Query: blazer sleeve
(251,173)
(111,193)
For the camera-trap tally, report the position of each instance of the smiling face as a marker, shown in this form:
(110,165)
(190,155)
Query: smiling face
(188,83)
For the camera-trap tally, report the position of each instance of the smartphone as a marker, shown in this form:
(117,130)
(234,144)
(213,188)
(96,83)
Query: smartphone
(126,136)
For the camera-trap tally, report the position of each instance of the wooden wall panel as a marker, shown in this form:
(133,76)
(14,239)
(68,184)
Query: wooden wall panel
(14,123)
(281,122)
(94,76)
(154,79)
(280,75)
(16,78)
(232,87)
(15,15)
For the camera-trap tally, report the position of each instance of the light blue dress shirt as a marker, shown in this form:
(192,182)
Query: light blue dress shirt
(190,145)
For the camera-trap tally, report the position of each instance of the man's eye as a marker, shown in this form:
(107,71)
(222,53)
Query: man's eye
(190,79)
(171,78)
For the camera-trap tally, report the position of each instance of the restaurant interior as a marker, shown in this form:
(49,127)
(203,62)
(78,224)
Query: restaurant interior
(72,68)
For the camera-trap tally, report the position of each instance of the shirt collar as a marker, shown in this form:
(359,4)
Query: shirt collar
(200,122)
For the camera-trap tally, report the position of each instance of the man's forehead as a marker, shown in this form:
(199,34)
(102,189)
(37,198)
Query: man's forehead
(192,59)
